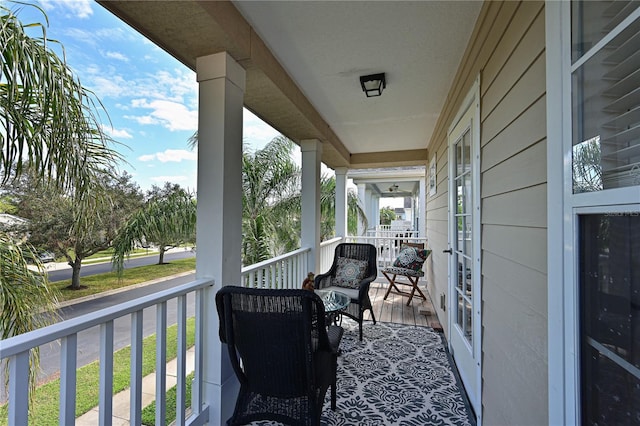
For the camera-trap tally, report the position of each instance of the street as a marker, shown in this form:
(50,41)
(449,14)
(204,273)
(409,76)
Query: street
(59,272)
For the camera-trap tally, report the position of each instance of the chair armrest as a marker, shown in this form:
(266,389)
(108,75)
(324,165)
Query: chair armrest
(364,285)
(322,280)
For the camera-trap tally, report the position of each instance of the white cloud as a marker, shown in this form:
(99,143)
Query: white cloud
(256,132)
(169,114)
(171,155)
(76,8)
(115,55)
(104,86)
(116,133)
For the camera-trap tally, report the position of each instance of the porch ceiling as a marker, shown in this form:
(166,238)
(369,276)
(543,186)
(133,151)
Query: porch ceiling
(304,59)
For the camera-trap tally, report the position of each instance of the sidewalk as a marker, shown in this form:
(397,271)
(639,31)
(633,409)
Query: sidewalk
(121,401)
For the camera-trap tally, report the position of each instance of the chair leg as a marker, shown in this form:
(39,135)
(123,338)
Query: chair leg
(360,324)
(333,396)
(415,287)
(392,284)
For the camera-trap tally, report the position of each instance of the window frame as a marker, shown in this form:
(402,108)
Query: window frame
(562,253)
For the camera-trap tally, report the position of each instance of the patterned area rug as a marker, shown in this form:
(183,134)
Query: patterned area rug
(397,375)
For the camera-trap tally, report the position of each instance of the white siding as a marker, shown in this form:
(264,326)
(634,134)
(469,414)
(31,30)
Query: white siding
(507,49)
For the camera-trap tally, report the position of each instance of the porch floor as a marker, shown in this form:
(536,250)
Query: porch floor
(395,309)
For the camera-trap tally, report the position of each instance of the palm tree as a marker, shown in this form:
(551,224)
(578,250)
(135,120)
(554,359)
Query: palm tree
(270,221)
(328,209)
(271,202)
(49,124)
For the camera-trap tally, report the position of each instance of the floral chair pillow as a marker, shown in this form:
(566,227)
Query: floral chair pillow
(411,258)
(349,272)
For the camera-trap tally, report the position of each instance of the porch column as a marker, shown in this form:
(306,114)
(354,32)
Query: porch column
(362,198)
(310,235)
(375,212)
(221,83)
(341,202)
(422,208)
(368,202)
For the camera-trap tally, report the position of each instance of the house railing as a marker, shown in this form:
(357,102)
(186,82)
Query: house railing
(388,246)
(285,271)
(327,251)
(16,350)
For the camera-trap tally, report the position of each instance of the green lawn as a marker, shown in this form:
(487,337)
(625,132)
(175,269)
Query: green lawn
(103,282)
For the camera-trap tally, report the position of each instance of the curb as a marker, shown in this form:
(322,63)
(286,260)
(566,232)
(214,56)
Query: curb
(122,289)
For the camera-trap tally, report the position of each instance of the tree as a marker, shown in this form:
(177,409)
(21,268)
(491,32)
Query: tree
(58,221)
(270,215)
(49,123)
(587,168)
(271,202)
(167,220)
(387,214)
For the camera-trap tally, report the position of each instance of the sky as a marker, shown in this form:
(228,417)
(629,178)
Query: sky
(150,98)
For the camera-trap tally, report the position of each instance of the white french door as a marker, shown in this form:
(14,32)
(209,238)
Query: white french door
(464,316)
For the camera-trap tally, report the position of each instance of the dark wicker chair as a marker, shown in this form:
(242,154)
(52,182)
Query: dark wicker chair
(359,294)
(281,352)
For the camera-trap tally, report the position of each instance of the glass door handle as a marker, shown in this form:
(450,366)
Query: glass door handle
(448,251)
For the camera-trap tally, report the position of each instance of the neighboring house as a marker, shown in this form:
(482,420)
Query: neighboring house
(11,221)
(13,224)
(535,244)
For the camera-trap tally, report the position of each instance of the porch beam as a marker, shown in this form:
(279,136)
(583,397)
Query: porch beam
(411,157)
(310,235)
(221,83)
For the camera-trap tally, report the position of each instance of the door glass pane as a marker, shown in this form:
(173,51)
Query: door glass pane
(468,319)
(460,195)
(466,142)
(459,319)
(610,318)
(460,282)
(606,116)
(459,158)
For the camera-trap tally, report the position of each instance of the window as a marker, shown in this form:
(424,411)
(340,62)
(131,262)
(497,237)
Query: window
(609,276)
(605,95)
(605,170)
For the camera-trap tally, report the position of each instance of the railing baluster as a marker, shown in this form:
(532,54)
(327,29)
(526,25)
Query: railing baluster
(161,363)
(106,373)
(181,361)
(19,389)
(68,363)
(196,390)
(135,404)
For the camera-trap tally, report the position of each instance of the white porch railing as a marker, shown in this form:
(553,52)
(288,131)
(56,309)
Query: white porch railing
(388,246)
(286,271)
(327,251)
(16,351)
